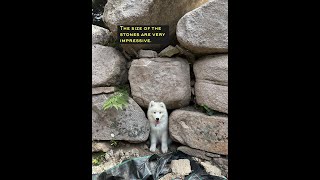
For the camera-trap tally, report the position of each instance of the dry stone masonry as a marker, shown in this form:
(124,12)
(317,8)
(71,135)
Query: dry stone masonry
(146,12)
(189,72)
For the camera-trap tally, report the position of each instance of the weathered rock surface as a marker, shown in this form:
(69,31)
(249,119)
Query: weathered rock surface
(160,79)
(213,95)
(108,66)
(205,29)
(180,167)
(100,35)
(197,153)
(199,131)
(222,163)
(209,168)
(101,146)
(146,12)
(212,155)
(129,124)
(147,54)
(101,90)
(212,68)
(194,152)
(169,51)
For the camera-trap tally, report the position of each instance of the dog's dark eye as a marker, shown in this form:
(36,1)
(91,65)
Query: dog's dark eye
(160,112)
(154,112)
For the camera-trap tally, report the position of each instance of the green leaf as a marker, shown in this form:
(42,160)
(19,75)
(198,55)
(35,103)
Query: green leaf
(118,100)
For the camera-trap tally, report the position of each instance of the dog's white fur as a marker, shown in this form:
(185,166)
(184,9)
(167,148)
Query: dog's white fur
(159,130)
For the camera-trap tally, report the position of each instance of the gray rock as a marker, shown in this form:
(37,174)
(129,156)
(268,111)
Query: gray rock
(108,66)
(100,146)
(199,131)
(222,163)
(180,167)
(194,152)
(211,169)
(185,52)
(169,51)
(129,124)
(147,54)
(213,68)
(212,95)
(212,155)
(101,90)
(205,29)
(160,79)
(100,35)
(146,12)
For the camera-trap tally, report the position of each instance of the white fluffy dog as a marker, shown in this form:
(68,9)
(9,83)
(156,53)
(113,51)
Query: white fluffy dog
(158,117)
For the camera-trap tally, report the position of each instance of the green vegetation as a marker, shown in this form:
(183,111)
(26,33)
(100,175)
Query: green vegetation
(205,109)
(118,100)
(114,143)
(97,158)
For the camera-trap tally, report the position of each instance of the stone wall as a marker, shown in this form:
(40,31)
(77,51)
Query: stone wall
(190,75)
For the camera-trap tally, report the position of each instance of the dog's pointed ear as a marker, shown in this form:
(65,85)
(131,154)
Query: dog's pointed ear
(162,105)
(151,104)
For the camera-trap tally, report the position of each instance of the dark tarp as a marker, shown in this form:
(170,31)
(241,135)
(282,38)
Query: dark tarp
(152,168)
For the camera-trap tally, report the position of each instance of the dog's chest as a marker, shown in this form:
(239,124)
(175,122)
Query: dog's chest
(158,130)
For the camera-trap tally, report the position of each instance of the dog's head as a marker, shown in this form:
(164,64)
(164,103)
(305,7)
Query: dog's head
(156,112)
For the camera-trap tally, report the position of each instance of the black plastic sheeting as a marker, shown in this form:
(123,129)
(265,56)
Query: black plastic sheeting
(152,168)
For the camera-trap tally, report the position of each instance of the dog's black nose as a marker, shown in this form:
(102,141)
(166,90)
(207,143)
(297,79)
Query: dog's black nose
(157,119)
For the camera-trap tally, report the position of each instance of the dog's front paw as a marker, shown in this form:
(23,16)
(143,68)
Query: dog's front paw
(164,149)
(152,148)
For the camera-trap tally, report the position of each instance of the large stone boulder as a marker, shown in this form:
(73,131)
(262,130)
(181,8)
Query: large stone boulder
(108,66)
(146,12)
(129,124)
(211,87)
(213,68)
(213,95)
(205,29)
(100,35)
(199,131)
(160,79)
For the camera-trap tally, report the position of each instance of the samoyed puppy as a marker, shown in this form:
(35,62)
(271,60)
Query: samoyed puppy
(158,117)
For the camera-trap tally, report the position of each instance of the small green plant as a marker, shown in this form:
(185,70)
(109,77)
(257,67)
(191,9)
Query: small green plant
(205,109)
(114,143)
(95,162)
(97,158)
(118,100)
